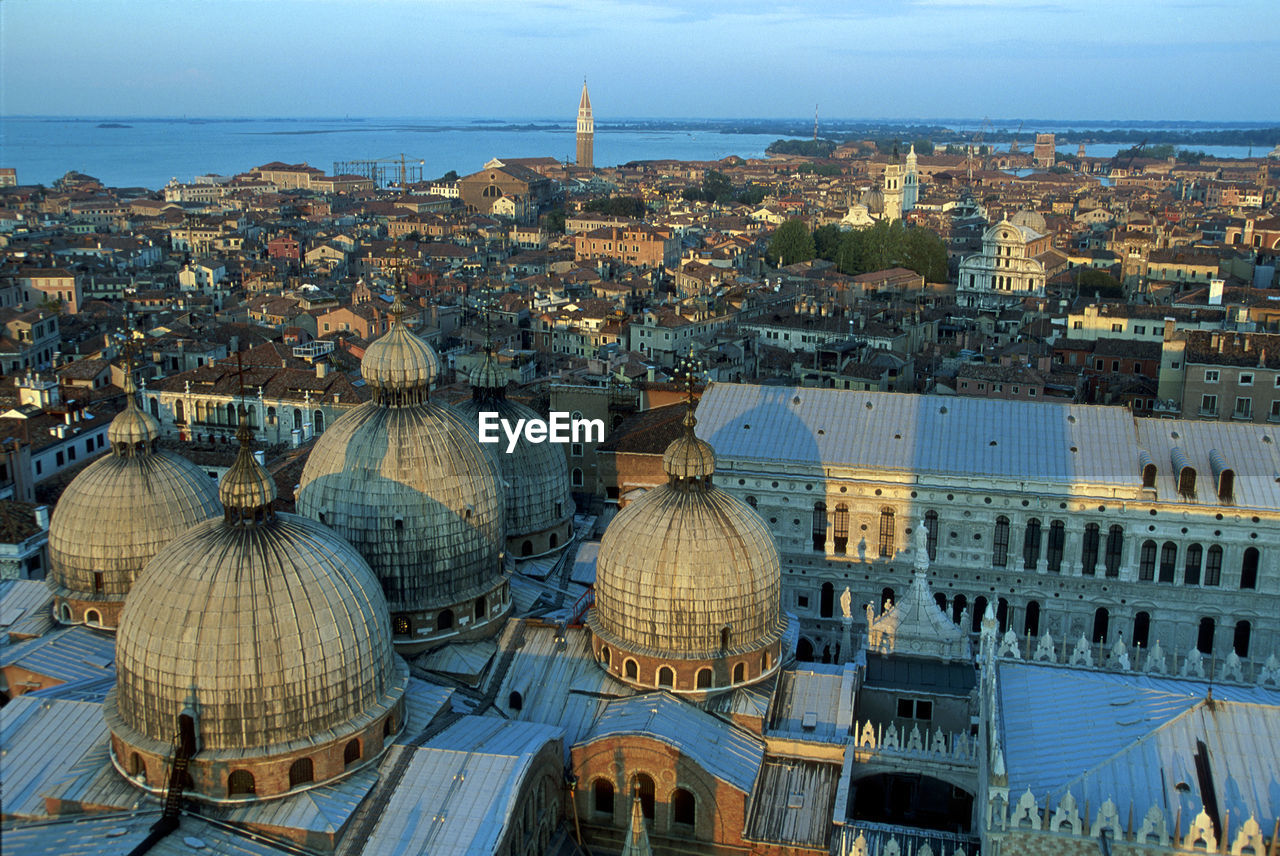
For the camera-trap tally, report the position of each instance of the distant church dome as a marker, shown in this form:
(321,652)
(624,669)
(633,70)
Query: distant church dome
(405,480)
(539,500)
(117,513)
(687,583)
(873,199)
(1033,220)
(261,643)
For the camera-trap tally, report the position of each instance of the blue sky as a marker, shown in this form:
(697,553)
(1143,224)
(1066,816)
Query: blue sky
(1104,59)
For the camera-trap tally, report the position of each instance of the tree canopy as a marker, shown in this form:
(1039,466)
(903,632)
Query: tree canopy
(884,245)
(791,243)
(617,206)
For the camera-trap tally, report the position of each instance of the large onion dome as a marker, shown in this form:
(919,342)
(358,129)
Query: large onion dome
(405,480)
(258,644)
(117,513)
(687,583)
(538,497)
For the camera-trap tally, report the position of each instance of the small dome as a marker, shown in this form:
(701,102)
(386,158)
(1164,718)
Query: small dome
(873,199)
(1032,220)
(535,477)
(688,572)
(117,514)
(246,487)
(689,457)
(486,375)
(270,632)
(132,428)
(399,363)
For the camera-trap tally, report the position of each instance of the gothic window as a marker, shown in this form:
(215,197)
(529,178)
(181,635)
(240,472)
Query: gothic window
(1057,540)
(1249,569)
(1192,573)
(931,523)
(1031,622)
(819,526)
(1089,550)
(841,535)
(886,532)
(1000,548)
(1100,620)
(1031,545)
(1115,543)
(1168,561)
(1240,641)
(1141,629)
(1147,561)
(1213,567)
(1204,638)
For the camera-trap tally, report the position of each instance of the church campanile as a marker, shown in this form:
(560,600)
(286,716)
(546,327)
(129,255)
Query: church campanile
(586,130)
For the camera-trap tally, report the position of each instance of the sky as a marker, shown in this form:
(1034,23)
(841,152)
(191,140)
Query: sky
(853,59)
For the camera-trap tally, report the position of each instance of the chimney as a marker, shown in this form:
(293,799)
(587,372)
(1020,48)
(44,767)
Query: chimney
(322,369)
(1215,292)
(42,516)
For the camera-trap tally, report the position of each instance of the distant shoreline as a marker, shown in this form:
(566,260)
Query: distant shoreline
(951,130)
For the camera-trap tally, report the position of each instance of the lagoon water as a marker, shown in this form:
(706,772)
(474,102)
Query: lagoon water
(125,152)
(149,152)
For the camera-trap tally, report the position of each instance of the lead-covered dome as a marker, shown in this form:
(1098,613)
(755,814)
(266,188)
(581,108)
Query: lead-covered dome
(404,479)
(535,476)
(269,634)
(399,362)
(117,514)
(687,581)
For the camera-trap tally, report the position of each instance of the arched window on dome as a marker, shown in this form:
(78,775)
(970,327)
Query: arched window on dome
(400,625)
(99,582)
(480,608)
(389,726)
(515,701)
(631,669)
(136,767)
(553,541)
(602,796)
(644,784)
(704,678)
(765,662)
(604,654)
(667,677)
(66,613)
(240,783)
(526,549)
(726,637)
(683,810)
(739,672)
(301,772)
(93,617)
(444,620)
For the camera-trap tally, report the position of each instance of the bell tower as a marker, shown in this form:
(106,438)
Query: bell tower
(586,130)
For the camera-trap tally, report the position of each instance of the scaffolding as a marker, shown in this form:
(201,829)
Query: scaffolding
(395,171)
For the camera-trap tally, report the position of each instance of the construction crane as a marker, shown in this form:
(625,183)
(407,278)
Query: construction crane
(375,169)
(1013,145)
(975,143)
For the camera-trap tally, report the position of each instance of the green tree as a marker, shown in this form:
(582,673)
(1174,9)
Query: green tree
(553,220)
(716,187)
(752,194)
(1091,281)
(618,206)
(924,146)
(826,241)
(791,243)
